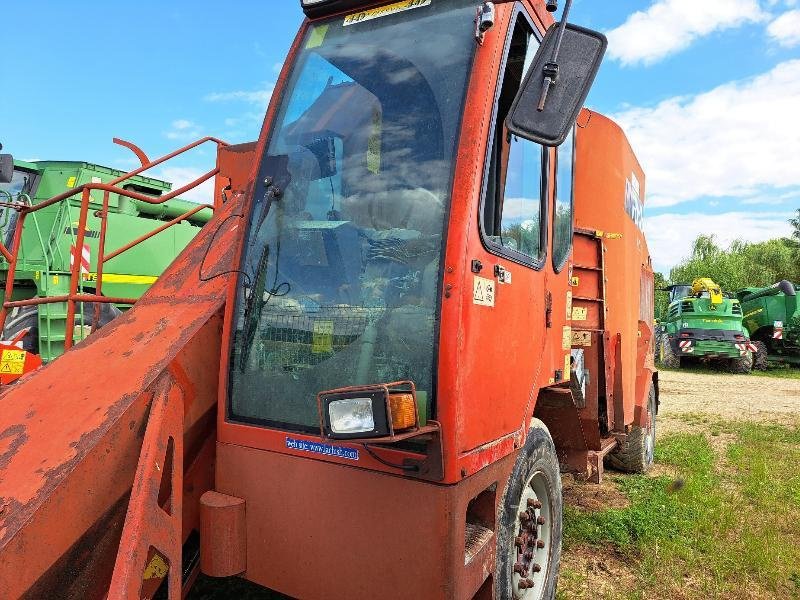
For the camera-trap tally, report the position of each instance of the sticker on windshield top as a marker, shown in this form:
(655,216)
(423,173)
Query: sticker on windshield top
(377,13)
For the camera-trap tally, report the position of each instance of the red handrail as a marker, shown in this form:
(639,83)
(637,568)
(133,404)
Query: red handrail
(12,255)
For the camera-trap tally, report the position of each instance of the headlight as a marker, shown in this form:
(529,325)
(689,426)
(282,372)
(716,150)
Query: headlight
(351,415)
(368,412)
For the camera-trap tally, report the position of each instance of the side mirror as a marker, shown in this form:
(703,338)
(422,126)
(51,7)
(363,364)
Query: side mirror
(6,168)
(552,94)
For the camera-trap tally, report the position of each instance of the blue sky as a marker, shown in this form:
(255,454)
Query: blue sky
(708,91)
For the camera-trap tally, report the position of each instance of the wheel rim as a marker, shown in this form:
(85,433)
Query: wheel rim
(531,547)
(650,435)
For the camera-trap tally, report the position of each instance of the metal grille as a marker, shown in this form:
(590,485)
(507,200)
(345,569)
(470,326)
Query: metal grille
(291,339)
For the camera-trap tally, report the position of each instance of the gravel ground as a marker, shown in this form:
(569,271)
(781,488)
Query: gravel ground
(731,397)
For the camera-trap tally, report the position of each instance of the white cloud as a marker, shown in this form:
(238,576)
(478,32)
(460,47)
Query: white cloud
(670,26)
(740,139)
(183,129)
(786,29)
(670,236)
(259,97)
(180,176)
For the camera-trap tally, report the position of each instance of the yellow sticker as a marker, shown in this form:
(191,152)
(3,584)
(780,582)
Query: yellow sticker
(12,362)
(376,13)
(55,279)
(72,181)
(566,338)
(579,313)
(157,569)
(569,305)
(567,369)
(317,37)
(574,281)
(322,337)
(582,338)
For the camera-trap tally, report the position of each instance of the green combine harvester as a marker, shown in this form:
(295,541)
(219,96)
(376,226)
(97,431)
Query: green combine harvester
(704,325)
(48,246)
(772,317)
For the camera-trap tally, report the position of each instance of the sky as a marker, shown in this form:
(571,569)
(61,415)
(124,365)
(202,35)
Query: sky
(708,92)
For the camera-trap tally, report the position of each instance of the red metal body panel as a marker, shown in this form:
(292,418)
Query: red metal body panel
(605,167)
(317,531)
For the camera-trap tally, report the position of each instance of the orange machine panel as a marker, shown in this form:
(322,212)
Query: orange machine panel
(609,193)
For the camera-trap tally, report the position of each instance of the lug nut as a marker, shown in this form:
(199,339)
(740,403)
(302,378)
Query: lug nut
(534,504)
(525,584)
(541,520)
(519,541)
(540,544)
(524,517)
(528,555)
(518,568)
(536,568)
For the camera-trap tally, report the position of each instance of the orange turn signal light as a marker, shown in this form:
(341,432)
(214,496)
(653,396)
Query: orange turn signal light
(404,413)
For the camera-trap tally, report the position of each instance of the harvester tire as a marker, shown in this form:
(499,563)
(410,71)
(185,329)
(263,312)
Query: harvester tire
(531,522)
(23,317)
(666,354)
(742,365)
(760,356)
(635,452)
(28,316)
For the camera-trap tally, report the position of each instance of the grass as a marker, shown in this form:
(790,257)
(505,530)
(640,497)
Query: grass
(726,525)
(772,372)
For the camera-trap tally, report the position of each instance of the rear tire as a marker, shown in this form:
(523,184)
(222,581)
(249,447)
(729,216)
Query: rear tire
(636,453)
(22,317)
(533,492)
(666,354)
(742,365)
(760,357)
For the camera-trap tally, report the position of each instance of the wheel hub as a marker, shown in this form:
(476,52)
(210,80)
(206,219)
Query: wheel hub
(530,552)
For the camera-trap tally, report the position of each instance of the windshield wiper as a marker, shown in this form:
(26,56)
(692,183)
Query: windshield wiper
(255,304)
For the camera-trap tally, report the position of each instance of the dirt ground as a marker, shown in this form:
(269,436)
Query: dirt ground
(686,400)
(731,397)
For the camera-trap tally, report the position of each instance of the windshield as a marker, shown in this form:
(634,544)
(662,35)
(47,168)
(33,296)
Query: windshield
(339,281)
(21,182)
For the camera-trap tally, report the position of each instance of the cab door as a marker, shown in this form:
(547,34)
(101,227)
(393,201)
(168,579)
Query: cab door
(504,324)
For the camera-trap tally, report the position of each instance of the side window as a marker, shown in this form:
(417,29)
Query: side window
(512,218)
(562,222)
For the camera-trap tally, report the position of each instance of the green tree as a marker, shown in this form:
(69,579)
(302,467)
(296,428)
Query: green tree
(741,264)
(795,223)
(661,302)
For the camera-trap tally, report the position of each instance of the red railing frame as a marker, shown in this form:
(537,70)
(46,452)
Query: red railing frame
(74,297)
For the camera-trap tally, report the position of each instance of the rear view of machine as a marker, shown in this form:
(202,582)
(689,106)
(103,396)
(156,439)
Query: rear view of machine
(772,316)
(702,324)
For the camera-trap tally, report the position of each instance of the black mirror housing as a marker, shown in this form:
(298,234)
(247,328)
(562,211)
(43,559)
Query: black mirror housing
(579,59)
(6,168)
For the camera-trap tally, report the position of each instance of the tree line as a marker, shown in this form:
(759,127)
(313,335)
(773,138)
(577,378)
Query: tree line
(738,266)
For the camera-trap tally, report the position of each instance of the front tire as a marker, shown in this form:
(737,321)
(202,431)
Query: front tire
(742,365)
(529,531)
(760,357)
(636,452)
(667,355)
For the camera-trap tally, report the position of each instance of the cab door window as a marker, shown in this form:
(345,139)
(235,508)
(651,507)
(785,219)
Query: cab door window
(562,215)
(513,212)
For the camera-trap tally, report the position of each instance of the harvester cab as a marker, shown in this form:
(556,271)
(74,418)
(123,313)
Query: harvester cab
(772,317)
(357,381)
(703,324)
